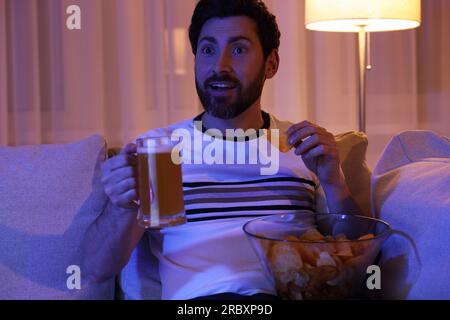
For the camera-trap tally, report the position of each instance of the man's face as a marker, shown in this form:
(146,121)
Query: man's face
(229,66)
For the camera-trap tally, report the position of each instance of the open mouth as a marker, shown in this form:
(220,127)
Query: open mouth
(222,86)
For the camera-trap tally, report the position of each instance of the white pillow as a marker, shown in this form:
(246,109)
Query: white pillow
(49,195)
(411,191)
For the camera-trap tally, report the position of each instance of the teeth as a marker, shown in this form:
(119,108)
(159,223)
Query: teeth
(222,85)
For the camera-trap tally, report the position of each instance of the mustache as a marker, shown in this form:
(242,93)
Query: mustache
(220,78)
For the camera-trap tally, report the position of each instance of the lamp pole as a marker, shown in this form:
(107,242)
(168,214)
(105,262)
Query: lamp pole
(362,78)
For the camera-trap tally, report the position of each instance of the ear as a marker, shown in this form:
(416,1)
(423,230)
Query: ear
(272,63)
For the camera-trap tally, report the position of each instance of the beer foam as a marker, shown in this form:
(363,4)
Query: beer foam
(155,145)
(154,149)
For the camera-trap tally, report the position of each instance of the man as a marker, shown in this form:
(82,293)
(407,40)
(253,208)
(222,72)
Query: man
(235,44)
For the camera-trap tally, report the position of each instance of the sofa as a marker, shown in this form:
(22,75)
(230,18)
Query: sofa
(51,194)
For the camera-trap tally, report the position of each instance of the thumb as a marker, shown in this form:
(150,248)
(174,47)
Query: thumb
(129,149)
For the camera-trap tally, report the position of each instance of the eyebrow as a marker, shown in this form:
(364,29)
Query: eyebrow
(230,40)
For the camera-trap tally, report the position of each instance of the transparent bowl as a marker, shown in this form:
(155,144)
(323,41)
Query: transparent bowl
(317,256)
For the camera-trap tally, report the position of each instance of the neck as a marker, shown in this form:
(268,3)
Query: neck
(249,119)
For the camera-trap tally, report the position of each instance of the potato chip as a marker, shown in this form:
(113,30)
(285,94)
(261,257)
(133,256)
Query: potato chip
(325,259)
(367,237)
(292,238)
(301,278)
(283,144)
(284,258)
(343,250)
(356,262)
(312,235)
(337,280)
(361,247)
(285,277)
(309,252)
(341,237)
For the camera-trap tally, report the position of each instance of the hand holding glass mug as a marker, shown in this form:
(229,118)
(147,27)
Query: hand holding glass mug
(119,178)
(144,175)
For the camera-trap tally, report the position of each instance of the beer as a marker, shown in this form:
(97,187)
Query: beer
(159,184)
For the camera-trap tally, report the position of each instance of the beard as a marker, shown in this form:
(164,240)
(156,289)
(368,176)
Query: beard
(224,107)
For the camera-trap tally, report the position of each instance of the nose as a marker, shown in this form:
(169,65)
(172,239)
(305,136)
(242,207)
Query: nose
(223,63)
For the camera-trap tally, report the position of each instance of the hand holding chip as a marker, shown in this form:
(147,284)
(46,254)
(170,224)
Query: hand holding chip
(318,150)
(316,146)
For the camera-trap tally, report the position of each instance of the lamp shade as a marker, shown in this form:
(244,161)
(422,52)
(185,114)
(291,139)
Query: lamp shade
(351,15)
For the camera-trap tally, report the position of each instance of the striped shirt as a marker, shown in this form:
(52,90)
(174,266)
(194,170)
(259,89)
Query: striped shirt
(220,200)
(210,254)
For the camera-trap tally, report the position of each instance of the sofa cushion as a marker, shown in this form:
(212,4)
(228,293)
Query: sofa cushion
(411,191)
(352,153)
(49,195)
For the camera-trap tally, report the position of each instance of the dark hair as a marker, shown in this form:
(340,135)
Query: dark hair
(268,32)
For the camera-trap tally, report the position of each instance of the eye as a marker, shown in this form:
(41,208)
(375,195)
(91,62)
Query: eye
(207,50)
(239,50)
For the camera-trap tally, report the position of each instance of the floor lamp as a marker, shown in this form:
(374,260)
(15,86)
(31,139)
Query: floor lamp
(362,17)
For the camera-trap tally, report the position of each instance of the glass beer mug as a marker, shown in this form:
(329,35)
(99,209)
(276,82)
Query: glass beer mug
(160,188)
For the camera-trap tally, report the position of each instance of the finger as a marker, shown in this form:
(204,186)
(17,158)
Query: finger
(320,150)
(116,176)
(126,199)
(298,126)
(298,135)
(129,149)
(312,142)
(307,145)
(115,163)
(118,162)
(124,186)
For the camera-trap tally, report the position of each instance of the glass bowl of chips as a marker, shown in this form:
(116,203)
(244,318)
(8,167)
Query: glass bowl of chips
(317,256)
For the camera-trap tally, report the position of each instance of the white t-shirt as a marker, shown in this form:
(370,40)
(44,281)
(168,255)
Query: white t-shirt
(210,254)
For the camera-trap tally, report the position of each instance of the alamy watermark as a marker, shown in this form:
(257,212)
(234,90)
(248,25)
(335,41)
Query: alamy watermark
(74,279)
(73,21)
(214,148)
(373,282)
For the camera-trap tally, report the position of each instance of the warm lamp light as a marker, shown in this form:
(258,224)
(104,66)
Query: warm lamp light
(362,16)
